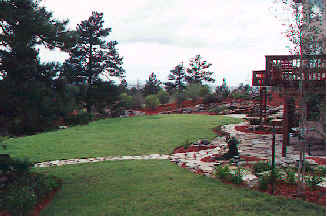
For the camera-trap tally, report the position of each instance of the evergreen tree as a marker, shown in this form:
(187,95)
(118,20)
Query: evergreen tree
(177,78)
(28,86)
(24,25)
(198,71)
(152,85)
(223,90)
(92,55)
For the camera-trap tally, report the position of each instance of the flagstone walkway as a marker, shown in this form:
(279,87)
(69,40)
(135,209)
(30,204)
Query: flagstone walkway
(251,144)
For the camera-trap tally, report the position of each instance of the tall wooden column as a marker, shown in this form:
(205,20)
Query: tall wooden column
(286,125)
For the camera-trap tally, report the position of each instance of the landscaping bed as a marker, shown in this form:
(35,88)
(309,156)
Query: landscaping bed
(29,194)
(283,186)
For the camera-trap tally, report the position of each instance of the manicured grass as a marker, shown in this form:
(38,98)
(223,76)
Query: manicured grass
(158,188)
(118,136)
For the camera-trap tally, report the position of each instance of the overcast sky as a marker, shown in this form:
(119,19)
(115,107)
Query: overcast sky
(156,35)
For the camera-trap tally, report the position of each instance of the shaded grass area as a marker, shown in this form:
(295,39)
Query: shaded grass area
(117,136)
(158,188)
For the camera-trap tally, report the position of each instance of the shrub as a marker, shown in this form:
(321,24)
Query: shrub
(15,166)
(23,193)
(261,166)
(263,182)
(152,102)
(126,100)
(19,200)
(79,119)
(163,96)
(222,172)
(210,98)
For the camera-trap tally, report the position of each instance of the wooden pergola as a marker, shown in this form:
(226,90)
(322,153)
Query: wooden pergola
(291,73)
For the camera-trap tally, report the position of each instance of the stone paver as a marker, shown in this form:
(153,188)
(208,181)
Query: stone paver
(99,159)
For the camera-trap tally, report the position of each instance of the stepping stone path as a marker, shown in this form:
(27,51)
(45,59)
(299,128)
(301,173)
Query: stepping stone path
(251,144)
(99,159)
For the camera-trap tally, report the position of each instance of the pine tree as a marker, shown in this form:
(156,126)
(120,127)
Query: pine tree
(223,90)
(28,88)
(152,85)
(198,71)
(24,25)
(177,76)
(92,55)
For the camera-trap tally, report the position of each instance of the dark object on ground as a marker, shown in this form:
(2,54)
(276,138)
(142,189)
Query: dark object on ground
(232,149)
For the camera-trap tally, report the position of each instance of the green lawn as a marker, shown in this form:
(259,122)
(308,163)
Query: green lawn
(118,136)
(158,188)
(148,187)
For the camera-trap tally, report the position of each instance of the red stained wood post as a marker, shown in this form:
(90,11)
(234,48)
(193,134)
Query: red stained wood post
(285,127)
(273,146)
(261,99)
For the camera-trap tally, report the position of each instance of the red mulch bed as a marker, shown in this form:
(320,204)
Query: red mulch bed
(192,149)
(315,194)
(41,205)
(170,107)
(246,129)
(246,158)
(319,161)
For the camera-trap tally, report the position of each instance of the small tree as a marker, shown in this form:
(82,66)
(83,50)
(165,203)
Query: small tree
(152,85)
(178,78)
(198,71)
(92,55)
(223,90)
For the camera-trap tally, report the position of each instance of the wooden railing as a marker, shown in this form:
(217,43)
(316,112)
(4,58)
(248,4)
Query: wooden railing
(288,69)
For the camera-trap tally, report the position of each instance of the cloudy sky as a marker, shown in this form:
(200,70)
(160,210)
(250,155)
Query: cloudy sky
(156,35)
